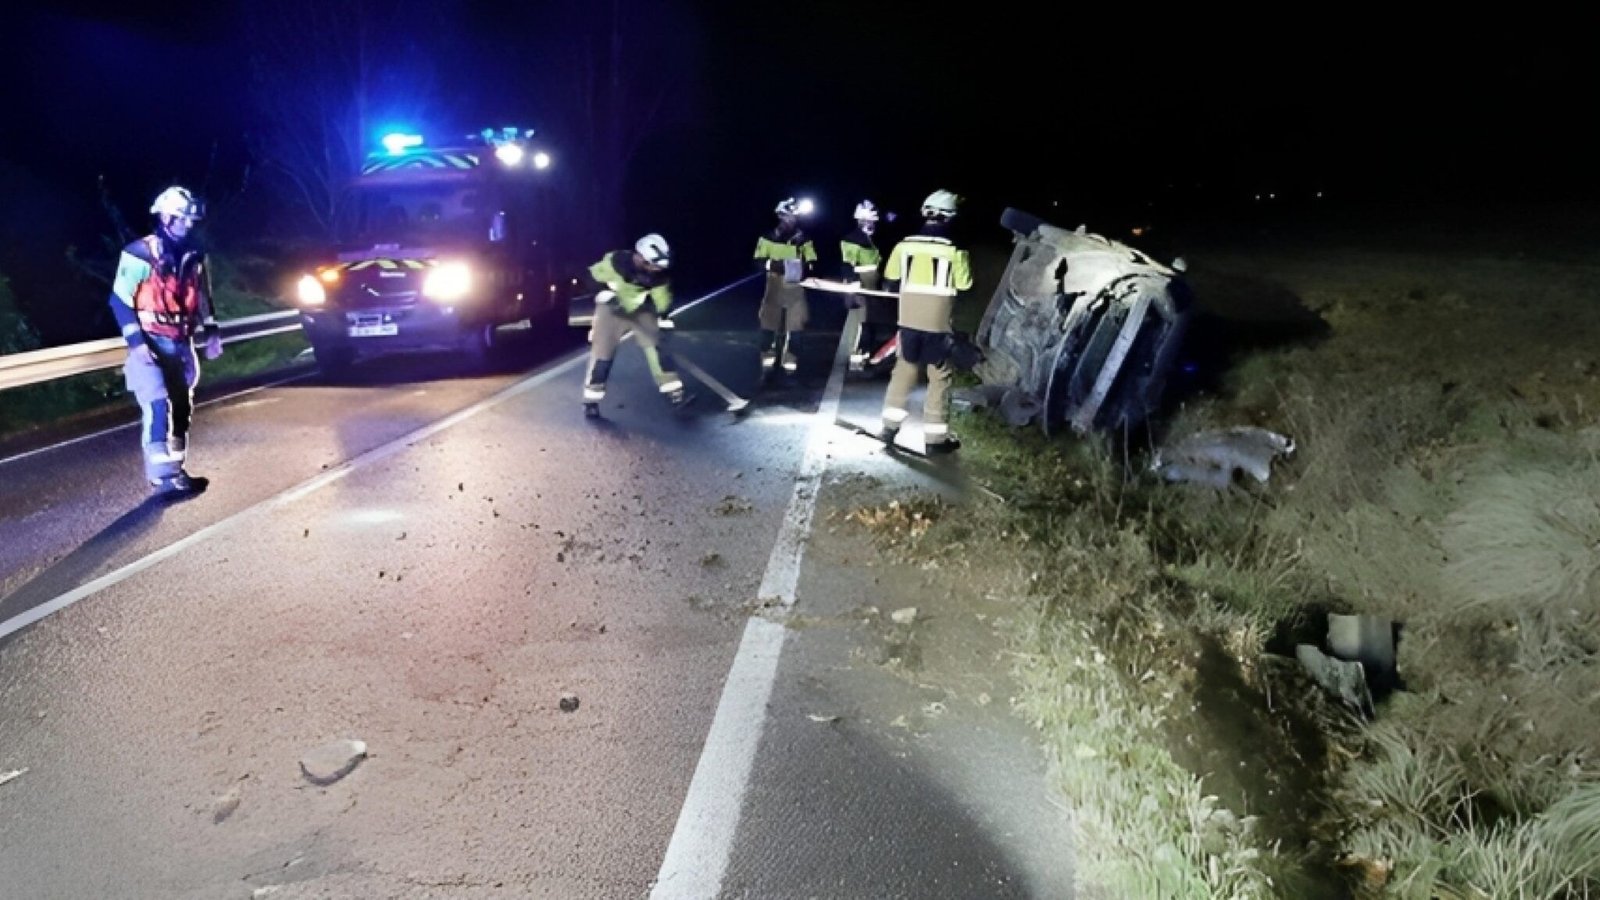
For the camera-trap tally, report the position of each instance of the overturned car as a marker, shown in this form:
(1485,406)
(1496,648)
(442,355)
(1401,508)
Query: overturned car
(1082,329)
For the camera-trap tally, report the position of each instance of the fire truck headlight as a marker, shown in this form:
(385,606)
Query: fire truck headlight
(541,160)
(310,291)
(509,154)
(447,283)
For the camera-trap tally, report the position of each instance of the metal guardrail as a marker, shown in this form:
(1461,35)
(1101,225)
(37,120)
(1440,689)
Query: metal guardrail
(36,366)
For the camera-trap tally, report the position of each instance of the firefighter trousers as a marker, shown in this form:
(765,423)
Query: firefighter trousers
(783,309)
(919,350)
(164,387)
(876,324)
(610,326)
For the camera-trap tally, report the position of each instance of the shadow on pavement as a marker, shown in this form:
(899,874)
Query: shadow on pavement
(906,836)
(83,564)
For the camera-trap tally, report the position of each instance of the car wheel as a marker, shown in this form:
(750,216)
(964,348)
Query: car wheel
(332,360)
(481,342)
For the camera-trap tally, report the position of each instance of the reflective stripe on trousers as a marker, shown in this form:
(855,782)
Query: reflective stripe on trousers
(608,330)
(164,388)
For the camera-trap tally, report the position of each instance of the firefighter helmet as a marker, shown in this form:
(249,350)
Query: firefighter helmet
(940,205)
(653,247)
(178,203)
(866,212)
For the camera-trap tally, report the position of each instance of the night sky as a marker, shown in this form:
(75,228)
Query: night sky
(1101,109)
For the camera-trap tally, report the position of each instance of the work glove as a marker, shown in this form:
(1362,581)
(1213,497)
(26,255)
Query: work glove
(964,355)
(607,298)
(213,345)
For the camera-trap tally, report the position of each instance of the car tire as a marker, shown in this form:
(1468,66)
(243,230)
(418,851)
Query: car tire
(1020,222)
(333,360)
(480,343)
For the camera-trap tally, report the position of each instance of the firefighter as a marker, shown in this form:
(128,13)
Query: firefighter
(632,293)
(161,298)
(859,259)
(929,270)
(788,257)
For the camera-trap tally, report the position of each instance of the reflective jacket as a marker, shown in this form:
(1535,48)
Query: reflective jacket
(633,285)
(773,248)
(930,270)
(160,294)
(859,255)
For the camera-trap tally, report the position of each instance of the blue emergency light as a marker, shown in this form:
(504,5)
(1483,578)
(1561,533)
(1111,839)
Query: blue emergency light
(398,143)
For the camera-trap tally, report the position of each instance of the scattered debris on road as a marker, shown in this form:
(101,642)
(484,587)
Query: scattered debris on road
(569,702)
(904,616)
(332,761)
(732,505)
(225,805)
(13,775)
(1212,457)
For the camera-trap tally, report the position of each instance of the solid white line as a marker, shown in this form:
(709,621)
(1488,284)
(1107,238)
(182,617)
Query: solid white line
(702,841)
(783,566)
(377,454)
(115,428)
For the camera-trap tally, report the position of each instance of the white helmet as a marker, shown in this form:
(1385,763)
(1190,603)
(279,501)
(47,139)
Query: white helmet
(940,205)
(178,202)
(653,247)
(866,212)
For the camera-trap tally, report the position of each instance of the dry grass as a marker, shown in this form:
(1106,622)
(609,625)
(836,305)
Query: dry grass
(1108,660)
(1453,490)
(1527,540)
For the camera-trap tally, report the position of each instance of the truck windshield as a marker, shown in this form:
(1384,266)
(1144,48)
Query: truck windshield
(417,214)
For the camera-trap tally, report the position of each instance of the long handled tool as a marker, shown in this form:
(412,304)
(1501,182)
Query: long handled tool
(840,287)
(736,403)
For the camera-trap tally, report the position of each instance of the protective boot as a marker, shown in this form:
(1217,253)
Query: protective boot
(769,351)
(180,485)
(594,388)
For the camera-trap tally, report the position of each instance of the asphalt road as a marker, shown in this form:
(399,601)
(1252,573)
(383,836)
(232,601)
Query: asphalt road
(426,559)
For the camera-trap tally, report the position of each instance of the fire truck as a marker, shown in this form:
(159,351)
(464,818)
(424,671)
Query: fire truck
(438,247)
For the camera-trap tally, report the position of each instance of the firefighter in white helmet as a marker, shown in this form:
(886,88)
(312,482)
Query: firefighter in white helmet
(859,261)
(632,293)
(929,270)
(787,255)
(161,298)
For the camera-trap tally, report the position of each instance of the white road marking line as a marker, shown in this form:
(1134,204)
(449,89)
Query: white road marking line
(377,454)
(115,428)
(702,841)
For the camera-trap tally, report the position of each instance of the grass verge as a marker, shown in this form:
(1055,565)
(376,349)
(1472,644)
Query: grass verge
(1447,476)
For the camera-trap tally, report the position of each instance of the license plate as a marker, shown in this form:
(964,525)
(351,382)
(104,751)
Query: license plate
(374,330)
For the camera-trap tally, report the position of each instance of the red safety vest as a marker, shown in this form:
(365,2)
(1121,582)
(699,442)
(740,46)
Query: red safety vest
(168,302)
